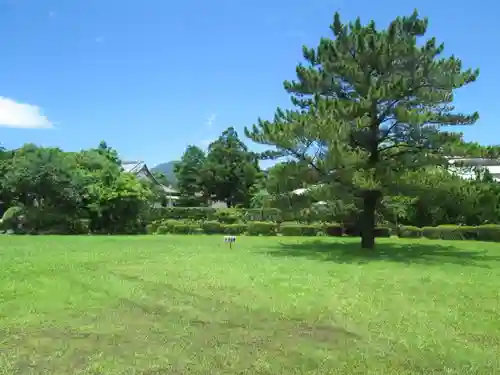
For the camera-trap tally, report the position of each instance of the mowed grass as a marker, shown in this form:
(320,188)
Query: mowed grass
(190,305)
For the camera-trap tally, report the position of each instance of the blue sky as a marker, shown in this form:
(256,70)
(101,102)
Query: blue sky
(153,76)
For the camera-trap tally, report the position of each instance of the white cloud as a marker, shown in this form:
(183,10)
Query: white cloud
(211,120)
(20,115)
(99,39)
(52,14)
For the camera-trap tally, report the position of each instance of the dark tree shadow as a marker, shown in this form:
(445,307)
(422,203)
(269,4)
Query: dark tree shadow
(423,253)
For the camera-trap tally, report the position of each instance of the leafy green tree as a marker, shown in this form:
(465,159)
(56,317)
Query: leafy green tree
(110,153)
(114,201)
(231,170)
(370,104)
(122,206)
(189,177)
(6,198)
(46,182)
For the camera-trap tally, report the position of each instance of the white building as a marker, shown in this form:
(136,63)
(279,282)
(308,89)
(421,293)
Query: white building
(466,170)
(492,165)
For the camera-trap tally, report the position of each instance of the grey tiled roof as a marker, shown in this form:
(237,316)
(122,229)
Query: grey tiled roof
(133,166)
(137,167)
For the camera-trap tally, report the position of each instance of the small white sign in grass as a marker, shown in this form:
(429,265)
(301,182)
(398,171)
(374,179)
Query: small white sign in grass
(230,240)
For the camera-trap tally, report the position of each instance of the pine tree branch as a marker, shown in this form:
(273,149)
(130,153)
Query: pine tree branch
(388,132)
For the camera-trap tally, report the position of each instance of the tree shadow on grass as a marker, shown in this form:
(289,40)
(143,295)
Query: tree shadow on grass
(422,253)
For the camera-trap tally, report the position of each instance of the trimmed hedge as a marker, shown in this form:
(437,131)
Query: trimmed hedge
(335,230)
(262,228)
(293,229)
(383,232)
(223,215)
(488,232)
(178,227)
(410,232)
(183,213)
(261,215)
(211,227)
(352,231)
(234,229)
(228,215)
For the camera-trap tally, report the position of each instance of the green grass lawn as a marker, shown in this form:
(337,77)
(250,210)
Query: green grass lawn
(190,305)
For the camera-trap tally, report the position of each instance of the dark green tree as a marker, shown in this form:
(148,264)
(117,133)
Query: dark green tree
(231,170)
(188,172)
(370,105)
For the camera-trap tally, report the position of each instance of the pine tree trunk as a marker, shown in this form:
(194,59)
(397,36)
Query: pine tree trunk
(370,201)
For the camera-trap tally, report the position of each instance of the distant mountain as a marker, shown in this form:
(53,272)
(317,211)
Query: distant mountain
(168,170)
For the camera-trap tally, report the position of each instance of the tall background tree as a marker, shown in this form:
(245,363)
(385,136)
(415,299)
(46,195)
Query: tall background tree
(231,170)
(188,172)
(370,105)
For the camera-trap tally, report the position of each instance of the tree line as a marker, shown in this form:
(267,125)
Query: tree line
(50,190)
(367,139)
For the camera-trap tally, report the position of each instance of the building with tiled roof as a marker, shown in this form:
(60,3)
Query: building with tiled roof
(141,170)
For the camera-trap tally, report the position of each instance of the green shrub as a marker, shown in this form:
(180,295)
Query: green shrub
(468,232)
(410,232)
(382,232)
(79,226)
(211,227)
(233,229)
(488,232)
(451,232)
(223,215)
(352,230)
(291,229)
(153,226)
(262,214)
(261,228)
(227,215)
(183,213)
(169,224)
(294,229)
(335,230)
(185,228)
(162,229)
(445,232)
(433,233)
(355,231)
(12,218)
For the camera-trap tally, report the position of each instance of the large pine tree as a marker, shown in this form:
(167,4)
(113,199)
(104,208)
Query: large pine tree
(369,106)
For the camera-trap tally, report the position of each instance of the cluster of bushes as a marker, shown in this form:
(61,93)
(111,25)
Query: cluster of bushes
(268,222)
(252,228)
(20,220)
(226,216)
(488,232)
(252,222)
